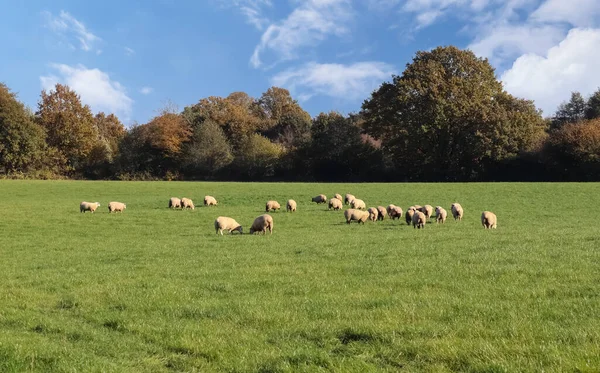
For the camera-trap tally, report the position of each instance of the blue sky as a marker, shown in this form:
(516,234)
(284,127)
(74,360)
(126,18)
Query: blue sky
(130,58)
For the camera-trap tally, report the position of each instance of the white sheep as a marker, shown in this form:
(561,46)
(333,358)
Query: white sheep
(210,201)
(395,212)
(174,203)
(373,213)
(409,214)
(223,223)
(489,220)
(187,203)
(88,206)
(349,198)
(262,224)
(339,196)
(440,214)
(382,212)
(457,211)
(419,219)
(358,204)
(291,205)
(116,207)
(321,198)
(358,215)
(272,205)
(335,204)
(427,210)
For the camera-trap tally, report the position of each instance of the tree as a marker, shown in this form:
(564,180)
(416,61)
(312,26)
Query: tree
(167,133)
(208,151)
(110,129)
(22,142)
(592,109)
(447,116)
(69,125)
(257,157)
(570,112)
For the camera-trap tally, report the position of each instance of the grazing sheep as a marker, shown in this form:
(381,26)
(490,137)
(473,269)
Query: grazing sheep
(321,198)
(174,203)
(373,213)
(339,196)
(409,214)
(272,205)
(382,212)
(262,224)
(457,211)
(88,206)
(427,210)
(358,215)
(349,198)
(417,207)
(335,204)
(223,223)
(489,220)
(187,203)
(210,201)
(395,212)
(440,214)
(291,205)
(389,208)
(116,207)
(358,204)
(419,220)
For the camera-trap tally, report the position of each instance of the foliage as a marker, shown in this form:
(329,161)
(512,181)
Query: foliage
(257,157)
(447,116)
(570,112)
(592,109)
(208,152)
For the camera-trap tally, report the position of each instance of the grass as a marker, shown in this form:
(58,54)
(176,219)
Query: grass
(155,290)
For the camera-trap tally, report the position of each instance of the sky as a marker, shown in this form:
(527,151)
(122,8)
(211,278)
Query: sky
(132,58)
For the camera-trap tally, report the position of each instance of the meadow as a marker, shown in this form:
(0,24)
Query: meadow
(155,290)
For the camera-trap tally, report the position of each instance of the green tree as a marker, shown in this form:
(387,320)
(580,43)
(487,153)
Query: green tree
(592,109)
(110,129)
(570,112)
(257,157)
(208,152)
(69,125)
(22,142)
(447,116)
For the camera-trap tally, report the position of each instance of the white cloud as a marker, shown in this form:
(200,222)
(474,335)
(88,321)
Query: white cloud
(548,79)
(579,13)
(69,27)
(129,51)
(146,90)
(349,82)
(94,86)
(253,10)
(307,25)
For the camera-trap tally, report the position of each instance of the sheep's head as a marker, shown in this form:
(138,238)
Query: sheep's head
(97,203)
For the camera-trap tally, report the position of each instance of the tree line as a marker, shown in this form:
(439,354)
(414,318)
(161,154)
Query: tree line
(446,118)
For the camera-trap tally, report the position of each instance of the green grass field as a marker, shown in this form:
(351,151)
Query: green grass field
(155,290)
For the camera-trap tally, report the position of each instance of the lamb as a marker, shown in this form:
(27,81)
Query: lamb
(358,215)
(427,210)
(116,207)
(382,212)
(457,211)
(440,214)
(335,204)
(262,224)
(174,203)
(187,203)
(349,198)
(272,205)
(321,198)
(223,223)
(339,196)
(489,220)
(409,214)
(358,204)
(88,206)
(373,213)
(395,212)
(419,220)
(291,205)
(210,201)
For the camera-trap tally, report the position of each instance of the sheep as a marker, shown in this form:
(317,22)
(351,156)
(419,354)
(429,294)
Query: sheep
(419,220)
(373,213)
(440,214)
(427,210)
(272,205)
(210,201)
(457,211)
(335,204)
(382,212)
(339,196)
(395,212)
(417,207)
(358,204)
(349,198)
(489,220)
(174,203)
(262,224)
(389,208)
(88,206)
(187,203)
(321,198)
(291,205)
(358,215)
(223,223)
(116,207)
(409,214)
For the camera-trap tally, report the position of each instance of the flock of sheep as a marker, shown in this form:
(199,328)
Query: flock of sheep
(416,215)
